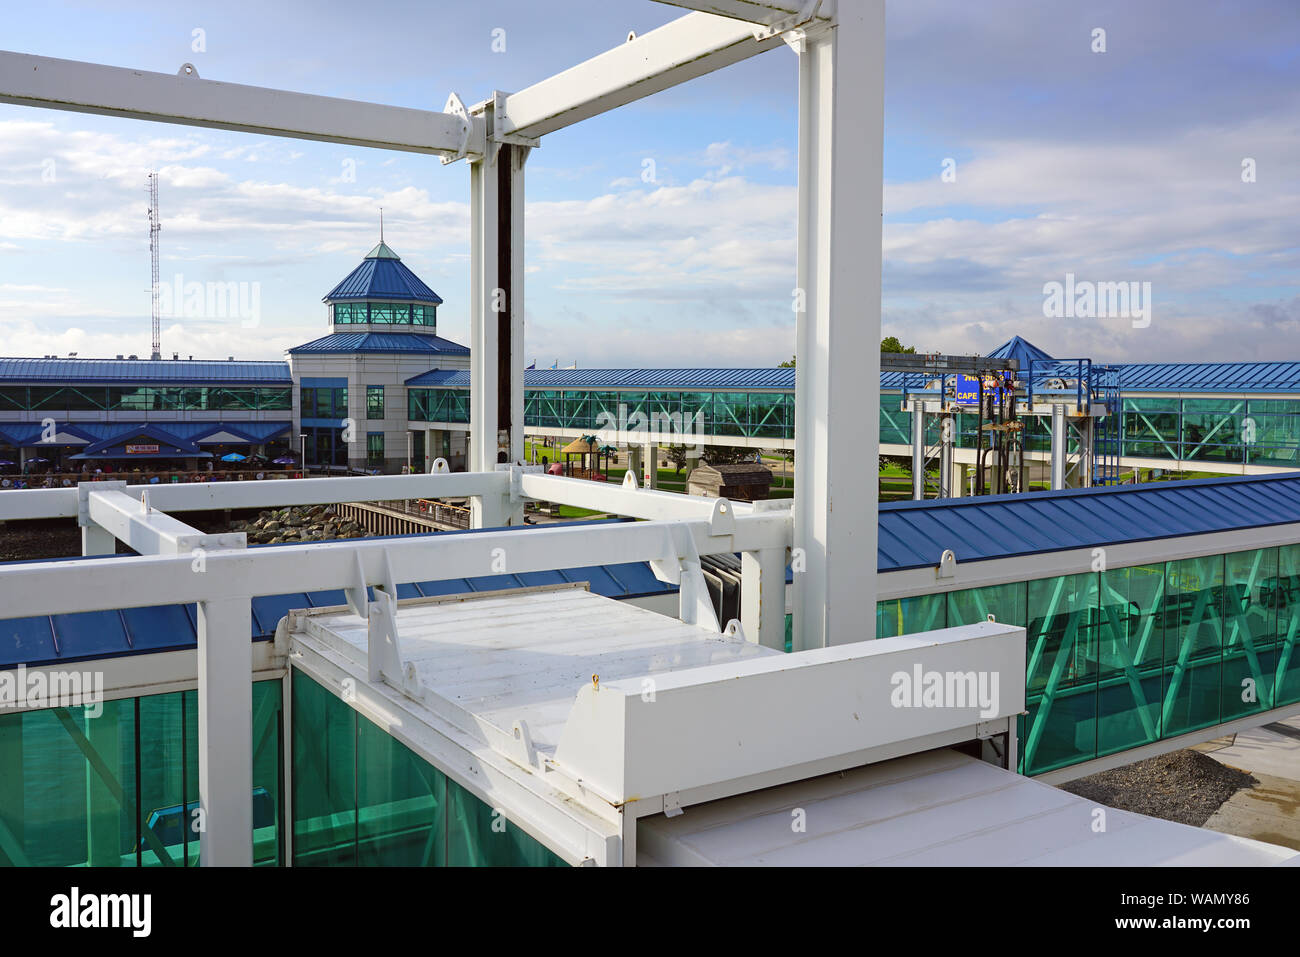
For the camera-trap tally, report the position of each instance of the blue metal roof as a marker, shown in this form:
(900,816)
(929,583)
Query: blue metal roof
(382,275)
(914,534)
(382,342)
(114,634)
(186,371)
(1209,376)
(108,433)
(1019,349)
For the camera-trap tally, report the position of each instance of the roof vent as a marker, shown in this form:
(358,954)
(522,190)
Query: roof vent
(230,358)
(177,355)
(120,356)
(133,356)
(191,358)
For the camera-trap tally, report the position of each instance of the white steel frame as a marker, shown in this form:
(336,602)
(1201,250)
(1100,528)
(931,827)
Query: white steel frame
(841,52)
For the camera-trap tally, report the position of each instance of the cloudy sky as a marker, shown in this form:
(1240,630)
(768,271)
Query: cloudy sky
(1123,165)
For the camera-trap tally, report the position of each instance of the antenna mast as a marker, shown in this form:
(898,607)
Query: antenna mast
(154,227)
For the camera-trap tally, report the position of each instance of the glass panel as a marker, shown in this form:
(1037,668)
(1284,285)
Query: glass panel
(1193,643)
(1129,668)
(401,804)
(1286,683)
(374,402)
(268,746)
(481,836)
(1006,603)
(67,794)
(1250,632)
(1061,674)
(324,777)
(905,616)
(165,825)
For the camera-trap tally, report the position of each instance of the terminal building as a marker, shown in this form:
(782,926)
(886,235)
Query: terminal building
(383,390)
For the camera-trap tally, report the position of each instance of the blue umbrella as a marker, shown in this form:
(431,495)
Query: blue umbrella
(232,457)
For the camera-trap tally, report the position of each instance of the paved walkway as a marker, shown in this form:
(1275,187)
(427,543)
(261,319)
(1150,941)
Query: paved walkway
(1269,811)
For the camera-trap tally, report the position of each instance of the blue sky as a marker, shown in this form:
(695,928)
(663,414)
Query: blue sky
(1115,166)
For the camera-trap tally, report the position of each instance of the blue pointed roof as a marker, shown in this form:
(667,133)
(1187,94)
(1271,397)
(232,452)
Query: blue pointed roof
(1020,349)
(382,275)
(382,342)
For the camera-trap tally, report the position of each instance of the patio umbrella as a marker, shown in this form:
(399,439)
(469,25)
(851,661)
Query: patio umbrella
(232,457)
(284,460)
(36,461)
(4,462)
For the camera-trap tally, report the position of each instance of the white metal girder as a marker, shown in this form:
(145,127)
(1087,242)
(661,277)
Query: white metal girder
(765,12)
(147,530)
(35,588)
(841,130)
(690,46)
(184,98)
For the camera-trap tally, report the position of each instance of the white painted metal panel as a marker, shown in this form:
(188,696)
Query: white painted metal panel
(717,724)
(936,808)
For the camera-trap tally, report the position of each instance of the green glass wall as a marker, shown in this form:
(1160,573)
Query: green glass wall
(1120,658)
(384,313)
(361,798)
(121,789)
(145,398)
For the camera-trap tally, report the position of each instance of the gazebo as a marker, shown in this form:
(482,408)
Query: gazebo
(590,469)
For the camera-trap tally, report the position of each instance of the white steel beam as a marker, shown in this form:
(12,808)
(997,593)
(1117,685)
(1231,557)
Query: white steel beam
(149,531)
(186,99)
(618,500)
(690,46)
(841,129)
(225,667)
(37,588)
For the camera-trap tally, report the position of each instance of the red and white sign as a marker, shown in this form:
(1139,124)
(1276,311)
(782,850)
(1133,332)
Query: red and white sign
(142,450)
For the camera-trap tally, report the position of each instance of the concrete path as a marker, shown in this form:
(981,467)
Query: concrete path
(1269,811)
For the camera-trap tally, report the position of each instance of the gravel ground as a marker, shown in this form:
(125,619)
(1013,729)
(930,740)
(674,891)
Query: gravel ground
(1182,786)
(57,538)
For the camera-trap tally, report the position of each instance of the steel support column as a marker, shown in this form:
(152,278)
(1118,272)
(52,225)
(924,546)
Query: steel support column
(496,318)
(918,451)
(225,672)
(946,473)
(1059,438)
(841,126)
(762,596)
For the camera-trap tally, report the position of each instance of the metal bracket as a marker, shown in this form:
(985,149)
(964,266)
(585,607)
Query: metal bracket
(723,519)
(629,480)
(947,565)
(356,593)
(498,123)
(673,805)
(456,107)
(735,629)
(525,753)
(187,69)
(990,729)
(789,25)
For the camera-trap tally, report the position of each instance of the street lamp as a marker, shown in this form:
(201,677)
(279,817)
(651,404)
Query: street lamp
(302,450)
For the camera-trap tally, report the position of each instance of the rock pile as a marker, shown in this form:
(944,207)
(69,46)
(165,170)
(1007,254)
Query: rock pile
(314,523)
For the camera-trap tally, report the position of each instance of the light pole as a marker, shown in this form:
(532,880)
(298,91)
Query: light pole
(409,436)
(302,450)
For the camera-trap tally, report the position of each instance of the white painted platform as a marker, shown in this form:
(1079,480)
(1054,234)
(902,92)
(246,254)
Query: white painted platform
(935,808)
(524,655)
